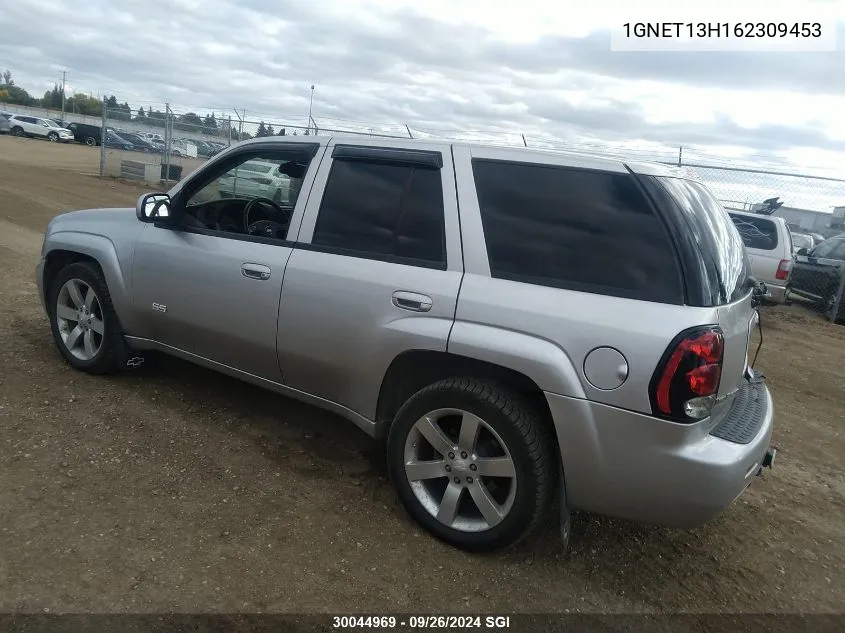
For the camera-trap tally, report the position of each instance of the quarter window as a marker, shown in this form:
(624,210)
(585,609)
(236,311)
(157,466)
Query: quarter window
(383,210)
(582,230)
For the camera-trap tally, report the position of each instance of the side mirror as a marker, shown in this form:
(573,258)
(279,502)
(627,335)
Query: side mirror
(153,207)
(802,251)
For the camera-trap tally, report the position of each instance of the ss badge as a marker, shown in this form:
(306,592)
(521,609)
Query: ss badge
(159,307)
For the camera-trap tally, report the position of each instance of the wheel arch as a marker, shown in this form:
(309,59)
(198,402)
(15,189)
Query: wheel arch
(412,370)
(69,247)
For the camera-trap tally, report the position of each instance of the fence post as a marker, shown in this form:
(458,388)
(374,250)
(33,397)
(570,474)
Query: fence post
(680,154)
(229,132)
(524,142)
(103,119)
(168,139)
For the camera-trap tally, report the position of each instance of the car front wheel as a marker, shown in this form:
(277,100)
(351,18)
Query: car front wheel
(53,137)
(472,463)
(91,141)
(84,323)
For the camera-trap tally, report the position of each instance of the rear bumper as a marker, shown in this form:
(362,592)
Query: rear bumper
(633,466)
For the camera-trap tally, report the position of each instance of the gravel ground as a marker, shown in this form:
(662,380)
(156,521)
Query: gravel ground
(176,489)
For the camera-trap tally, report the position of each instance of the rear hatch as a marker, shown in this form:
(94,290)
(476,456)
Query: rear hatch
(726,265)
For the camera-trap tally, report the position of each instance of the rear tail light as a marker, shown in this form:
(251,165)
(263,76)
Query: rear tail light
(784,267)
(685,384)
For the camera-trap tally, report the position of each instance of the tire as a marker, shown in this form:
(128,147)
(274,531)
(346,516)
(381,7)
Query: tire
(108,351)
(17,131)
(53,137)
(511,429)
(90,140)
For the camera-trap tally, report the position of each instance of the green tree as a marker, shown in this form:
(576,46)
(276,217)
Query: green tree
(209,124)
(270,131)
(14,93)
(262,130)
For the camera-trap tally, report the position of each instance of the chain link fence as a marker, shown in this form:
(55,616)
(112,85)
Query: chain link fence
(162,145)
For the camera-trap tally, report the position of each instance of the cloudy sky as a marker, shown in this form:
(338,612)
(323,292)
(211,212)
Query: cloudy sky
(541,68)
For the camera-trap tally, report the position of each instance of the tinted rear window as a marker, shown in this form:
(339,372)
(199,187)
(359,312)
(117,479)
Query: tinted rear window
(576,229)
(722,248)
(759,233)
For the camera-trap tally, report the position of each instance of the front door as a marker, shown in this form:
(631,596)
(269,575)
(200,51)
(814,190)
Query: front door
(211,285)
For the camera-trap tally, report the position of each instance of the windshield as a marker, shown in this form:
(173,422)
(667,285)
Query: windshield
(720,242)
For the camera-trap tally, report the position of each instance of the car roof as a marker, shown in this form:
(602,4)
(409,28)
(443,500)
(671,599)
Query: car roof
(595,160)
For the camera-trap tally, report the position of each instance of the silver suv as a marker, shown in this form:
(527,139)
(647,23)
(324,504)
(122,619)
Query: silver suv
(523,326)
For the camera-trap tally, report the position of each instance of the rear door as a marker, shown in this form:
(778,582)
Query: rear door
(375,271)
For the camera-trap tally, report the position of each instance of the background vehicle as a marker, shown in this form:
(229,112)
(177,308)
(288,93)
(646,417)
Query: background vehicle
(519,323)
(152,137)
(255,179)
(183,147)
(769,244)
(86,133)
(21,125)
(801,240)
(115,141)
(5,126)
(817,273)
(139,143)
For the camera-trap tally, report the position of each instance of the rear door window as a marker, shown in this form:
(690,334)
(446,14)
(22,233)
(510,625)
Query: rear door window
(759,233)
(577,229)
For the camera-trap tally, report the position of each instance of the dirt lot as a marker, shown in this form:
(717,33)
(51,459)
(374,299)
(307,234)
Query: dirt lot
(179,489)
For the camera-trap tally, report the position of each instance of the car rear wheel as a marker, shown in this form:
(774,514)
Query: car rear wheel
(84,323)
(17,131)
(472,463)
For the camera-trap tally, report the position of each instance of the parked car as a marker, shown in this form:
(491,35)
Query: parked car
(205,149)
(518,323)
(86,133)
(817,274)
(60,122)
(30,126)
(769,244)
(152,136)
(255,179)
(139,142)
(183,147)
(5,126)
(115,141)
(801,240)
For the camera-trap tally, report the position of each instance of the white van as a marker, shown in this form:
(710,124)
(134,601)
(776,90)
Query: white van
(769,244)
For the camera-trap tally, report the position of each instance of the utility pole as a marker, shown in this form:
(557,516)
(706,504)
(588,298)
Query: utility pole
(64,78)
(310,106)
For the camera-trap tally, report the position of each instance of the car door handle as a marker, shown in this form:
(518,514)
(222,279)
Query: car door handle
(412,301)
(255,271)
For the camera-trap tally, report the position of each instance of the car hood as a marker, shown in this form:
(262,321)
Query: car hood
(96,221)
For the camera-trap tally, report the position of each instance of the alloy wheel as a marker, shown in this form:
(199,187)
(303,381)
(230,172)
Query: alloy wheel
(460,470)
(79,316)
